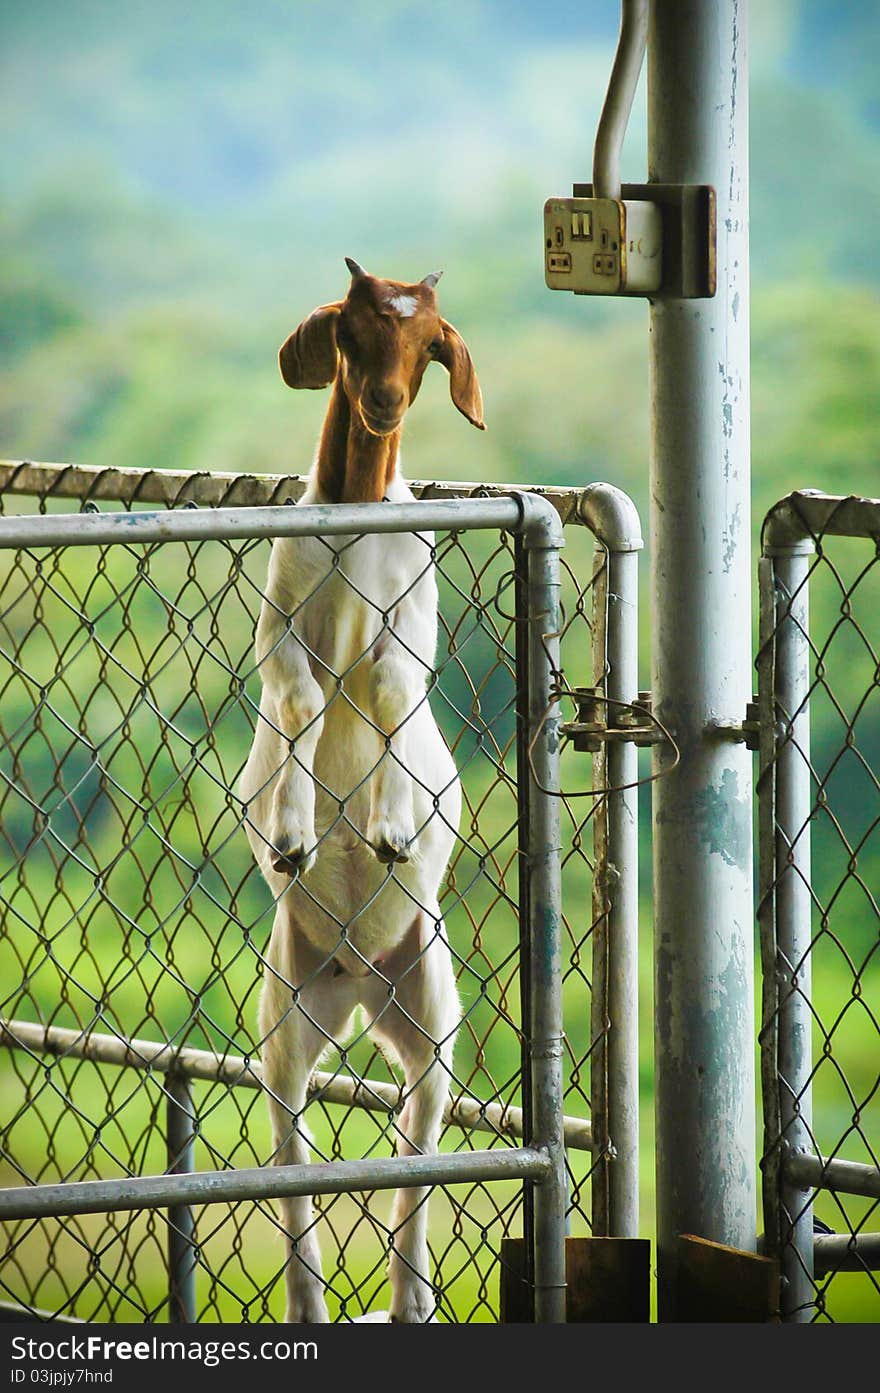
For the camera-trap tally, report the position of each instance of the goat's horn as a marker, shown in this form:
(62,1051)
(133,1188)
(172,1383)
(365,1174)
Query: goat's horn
(356,270)
(431,281)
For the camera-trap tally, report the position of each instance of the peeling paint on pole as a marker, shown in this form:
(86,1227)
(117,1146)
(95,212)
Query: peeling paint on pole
(701,655)
(719,817)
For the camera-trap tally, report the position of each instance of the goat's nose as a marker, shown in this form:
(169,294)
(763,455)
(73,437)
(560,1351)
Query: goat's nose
(384,397)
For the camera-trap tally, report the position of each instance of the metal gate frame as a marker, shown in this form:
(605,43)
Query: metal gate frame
(792,1170)
(611,1131)
(537,526)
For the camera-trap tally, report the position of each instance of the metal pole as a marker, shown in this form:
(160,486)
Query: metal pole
(312,520)
(523,789)
(701,653)
(793,912)
(542,540)
(180,1118)
(846,1252)
(374,1095)
(844,1177)
(614,1087)
(273,1182)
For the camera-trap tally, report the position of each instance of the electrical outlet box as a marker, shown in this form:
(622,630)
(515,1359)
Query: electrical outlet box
(603,246)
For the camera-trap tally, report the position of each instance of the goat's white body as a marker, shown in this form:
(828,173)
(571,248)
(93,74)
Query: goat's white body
(338,613)
(349,689)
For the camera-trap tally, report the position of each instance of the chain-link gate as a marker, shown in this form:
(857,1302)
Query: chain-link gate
(819,791)
(135,924)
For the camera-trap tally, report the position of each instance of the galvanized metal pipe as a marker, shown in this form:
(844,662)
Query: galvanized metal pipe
(272,1182)
(701,653)
(523,895)
(809,1172)
(619,97)
(180,1138)
(543,537)
(771,1150)
(236,524)
(791,889)
(844,1252)
(807,514)
(373,1095)
(614,1070)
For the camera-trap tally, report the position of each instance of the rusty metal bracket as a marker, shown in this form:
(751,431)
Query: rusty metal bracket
(606,1279)
(590,731)
(717,1283)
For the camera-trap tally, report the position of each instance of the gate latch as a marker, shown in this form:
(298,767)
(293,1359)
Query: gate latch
(590,730)
(633,721)
(747,732)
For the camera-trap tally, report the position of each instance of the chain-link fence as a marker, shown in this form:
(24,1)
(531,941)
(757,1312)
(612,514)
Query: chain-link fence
(136,925)
(819,688)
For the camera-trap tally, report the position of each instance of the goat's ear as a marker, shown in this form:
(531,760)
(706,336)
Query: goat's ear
(308,357)
(463,385)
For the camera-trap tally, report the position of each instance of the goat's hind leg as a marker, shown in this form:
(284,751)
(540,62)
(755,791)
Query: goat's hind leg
(294,1036)
(421,1036)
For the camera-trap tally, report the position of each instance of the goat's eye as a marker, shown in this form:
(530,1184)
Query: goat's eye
(434,348)
(344,338)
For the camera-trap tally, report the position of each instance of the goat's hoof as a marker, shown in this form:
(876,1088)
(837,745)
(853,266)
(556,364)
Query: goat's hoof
(418,1312)
(390,841)
(387,853)
(288,860)
(307,1310)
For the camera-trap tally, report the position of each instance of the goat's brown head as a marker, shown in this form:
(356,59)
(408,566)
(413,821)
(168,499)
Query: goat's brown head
(379,341)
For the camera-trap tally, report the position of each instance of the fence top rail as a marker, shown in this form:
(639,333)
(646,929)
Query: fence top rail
(602,508)
(529,514)
(799,519)
(228,490)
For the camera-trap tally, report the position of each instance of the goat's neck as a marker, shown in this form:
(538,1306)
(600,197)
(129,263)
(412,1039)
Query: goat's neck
(353,465)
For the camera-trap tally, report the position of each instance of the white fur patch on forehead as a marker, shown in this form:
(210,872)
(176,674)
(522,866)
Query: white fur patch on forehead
(404,305)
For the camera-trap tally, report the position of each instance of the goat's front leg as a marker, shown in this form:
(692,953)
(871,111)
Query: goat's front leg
(396,687)
(296,704)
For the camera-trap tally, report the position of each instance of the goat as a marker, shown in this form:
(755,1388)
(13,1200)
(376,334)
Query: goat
(351,795)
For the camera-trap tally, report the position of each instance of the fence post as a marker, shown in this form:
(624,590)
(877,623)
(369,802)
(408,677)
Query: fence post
(180,1138)
(543,538)
(786,913)
(701,653)
(614,1069)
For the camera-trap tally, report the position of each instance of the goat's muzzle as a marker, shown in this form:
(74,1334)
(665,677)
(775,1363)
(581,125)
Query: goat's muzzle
(379,427)
(382,408)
